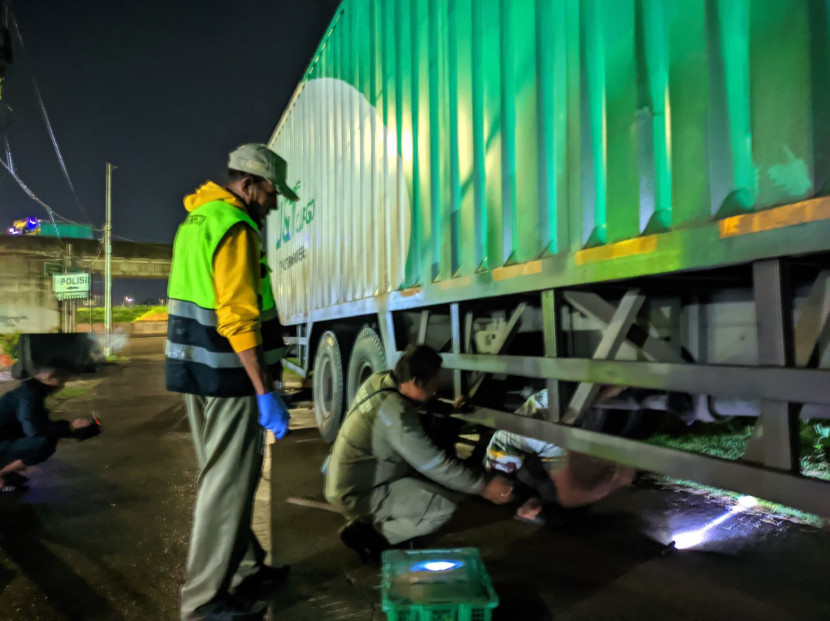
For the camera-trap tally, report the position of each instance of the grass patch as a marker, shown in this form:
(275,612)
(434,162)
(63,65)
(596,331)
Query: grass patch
(788,512)
(729,440)
(73,392)
(10,345)
(155,313)
(725,443)
(815,454)
(120,314)
(65,401)
(288,374)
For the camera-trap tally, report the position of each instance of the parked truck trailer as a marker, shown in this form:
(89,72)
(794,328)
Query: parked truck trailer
(566,194)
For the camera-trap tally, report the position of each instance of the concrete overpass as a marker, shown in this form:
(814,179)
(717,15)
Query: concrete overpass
(27,302)
(129,259)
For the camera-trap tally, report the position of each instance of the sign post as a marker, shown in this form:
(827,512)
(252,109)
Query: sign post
(71,286)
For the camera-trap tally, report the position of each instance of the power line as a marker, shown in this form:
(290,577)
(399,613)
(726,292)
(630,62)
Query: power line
(55,224)
(33,196)
(46,118)
(9,166)
(90,262)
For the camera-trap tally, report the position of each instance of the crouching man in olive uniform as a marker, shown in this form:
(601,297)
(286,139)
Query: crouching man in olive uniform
(386,475)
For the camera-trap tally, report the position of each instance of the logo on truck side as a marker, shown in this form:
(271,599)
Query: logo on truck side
(294,217)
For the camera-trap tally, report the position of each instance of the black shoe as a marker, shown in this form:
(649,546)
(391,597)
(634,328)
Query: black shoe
(365,540)
(232,609)
(15,478)
(263,583)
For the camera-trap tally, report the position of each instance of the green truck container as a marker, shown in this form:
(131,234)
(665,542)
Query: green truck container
(568,193)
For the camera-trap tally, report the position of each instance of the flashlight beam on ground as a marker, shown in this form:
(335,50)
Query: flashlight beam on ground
(692,538)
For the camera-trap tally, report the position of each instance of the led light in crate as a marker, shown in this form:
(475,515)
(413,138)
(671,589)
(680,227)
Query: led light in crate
(436,584)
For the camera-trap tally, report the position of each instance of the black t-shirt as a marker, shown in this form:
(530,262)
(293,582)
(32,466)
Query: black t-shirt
(23,413)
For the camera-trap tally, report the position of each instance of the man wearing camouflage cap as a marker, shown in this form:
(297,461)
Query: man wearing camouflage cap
(224,347)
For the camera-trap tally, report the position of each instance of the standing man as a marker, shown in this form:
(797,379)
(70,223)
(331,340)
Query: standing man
(224,347)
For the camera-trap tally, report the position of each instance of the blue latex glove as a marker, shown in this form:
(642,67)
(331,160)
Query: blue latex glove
(273,413)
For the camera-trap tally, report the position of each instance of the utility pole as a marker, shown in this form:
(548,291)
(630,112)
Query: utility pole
(64,304)
(68,304)
(108,266)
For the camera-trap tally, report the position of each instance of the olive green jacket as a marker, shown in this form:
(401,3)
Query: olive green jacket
(381,441)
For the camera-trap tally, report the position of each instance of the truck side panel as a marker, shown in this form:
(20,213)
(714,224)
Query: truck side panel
(434,141)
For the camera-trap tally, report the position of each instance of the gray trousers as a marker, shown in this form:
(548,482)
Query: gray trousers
(223,548)
(410,507)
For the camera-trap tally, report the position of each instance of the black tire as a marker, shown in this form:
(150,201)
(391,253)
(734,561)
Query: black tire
(368,357)
(329,386)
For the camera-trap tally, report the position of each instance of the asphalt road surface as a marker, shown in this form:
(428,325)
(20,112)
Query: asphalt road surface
(102,533)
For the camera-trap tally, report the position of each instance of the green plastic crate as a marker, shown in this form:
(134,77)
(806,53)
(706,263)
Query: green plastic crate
(436,585)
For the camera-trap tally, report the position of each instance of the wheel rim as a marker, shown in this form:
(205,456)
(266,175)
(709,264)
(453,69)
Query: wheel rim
(327,384)
(364,372)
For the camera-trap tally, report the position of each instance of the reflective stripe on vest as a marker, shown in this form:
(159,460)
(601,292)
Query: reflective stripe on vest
(206,317)
(189,310)
(216,360)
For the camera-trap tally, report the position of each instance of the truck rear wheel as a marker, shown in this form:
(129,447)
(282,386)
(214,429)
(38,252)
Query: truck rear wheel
(328,386)
(368,357)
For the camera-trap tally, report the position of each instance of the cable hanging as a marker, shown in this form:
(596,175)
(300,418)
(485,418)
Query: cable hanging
(46,119)
(32,195)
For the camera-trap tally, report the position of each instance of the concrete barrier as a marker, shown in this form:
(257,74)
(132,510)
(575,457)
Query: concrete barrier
(149,328)
(74,351)
(138,328)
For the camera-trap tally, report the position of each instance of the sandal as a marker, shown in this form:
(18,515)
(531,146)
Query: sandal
(551,515)
(15,479)
(8,488)
(539,520)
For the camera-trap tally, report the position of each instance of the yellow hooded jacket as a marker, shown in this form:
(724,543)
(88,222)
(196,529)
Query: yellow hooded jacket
(235,273)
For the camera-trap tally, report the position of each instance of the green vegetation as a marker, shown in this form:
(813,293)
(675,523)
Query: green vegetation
(153,310)
(9,344)
(728,441)
(288,375)
(120,314)
(815,449)
(66,400)
(73,392)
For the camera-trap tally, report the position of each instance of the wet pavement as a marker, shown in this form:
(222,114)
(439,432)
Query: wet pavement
(102,534)
(612,564)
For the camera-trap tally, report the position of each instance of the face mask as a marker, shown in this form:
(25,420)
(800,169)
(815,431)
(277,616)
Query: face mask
(255,210)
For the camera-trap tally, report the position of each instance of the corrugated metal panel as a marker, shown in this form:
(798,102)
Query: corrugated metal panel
(435,139)
(346,238)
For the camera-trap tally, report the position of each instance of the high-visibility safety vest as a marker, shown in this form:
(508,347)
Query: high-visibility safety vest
(199,360)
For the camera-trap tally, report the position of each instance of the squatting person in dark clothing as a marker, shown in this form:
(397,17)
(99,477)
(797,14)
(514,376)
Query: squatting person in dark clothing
(27,435)
(386,475)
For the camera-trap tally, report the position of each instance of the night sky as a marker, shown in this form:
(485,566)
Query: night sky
(163,89)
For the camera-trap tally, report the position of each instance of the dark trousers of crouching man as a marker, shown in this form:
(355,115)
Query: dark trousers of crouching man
(30,451)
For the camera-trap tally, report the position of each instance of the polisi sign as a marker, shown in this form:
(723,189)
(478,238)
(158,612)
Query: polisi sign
(71,286)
